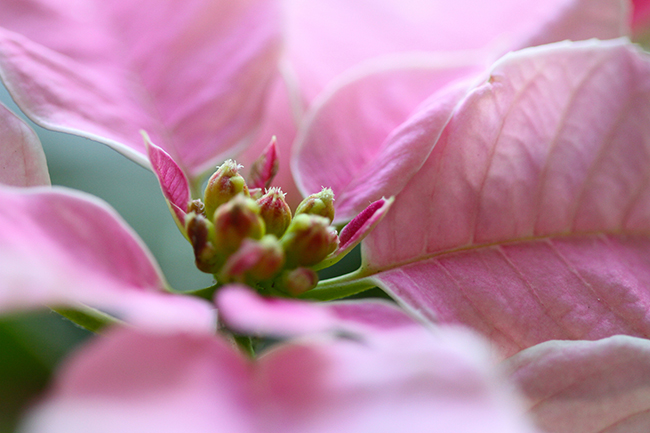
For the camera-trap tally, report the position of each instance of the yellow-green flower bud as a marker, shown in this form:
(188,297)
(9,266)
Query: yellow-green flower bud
(308,240)
(235,221)
(222,186)
(321,203)
(275,212)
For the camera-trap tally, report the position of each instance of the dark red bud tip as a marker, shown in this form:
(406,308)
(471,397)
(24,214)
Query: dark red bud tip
(265,167)
(198,232)
(359,221)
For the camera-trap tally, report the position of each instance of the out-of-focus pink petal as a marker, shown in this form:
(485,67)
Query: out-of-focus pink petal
(587,386)
(265,166)
(350,131)
(279,121)
(193,74)
(173,182)
(578,20)
(131,382)
(346,142)
(640,16)
(244,311)
(530,219)
(22,161)
(327,37)
(63,248)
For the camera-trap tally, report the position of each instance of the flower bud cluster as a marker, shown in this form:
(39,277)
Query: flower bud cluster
(249,235)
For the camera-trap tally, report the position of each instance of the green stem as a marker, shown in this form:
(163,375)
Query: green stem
(88,318)
(207,293)
(340,287)
(331,261)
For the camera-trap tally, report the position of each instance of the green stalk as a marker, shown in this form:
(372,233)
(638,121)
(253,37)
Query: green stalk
(340,287)
(88,318)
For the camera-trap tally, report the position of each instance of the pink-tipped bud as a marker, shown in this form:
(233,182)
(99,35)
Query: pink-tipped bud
(321,203)
(362,224)
(254,261)
(298,281)
(265,167)
(222,186)
(308,240)
(275,212)
(235,221)
(200,232)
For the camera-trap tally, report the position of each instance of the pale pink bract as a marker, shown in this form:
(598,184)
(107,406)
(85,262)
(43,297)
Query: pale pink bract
(22,161)
(354,130)
(378,375)
(66,249)
(193,74)
(201,77)
(523,208)
(529,220)
(586,386)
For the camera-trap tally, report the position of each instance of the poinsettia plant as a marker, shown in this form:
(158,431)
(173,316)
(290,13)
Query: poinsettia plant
(491,159)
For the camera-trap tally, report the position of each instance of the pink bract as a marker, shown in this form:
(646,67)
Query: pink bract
(351,141)
(248,313)
(62,248)
(353,129)
(201,77)
(22,161)
(193,74)
(641,16)
(572,387)
(328,37)
(529,221)
(173,182)
(388,379)
(586,386)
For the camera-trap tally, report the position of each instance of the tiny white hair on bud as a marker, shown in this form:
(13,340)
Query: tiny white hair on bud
(231,163)
(276,190)
(327,193)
